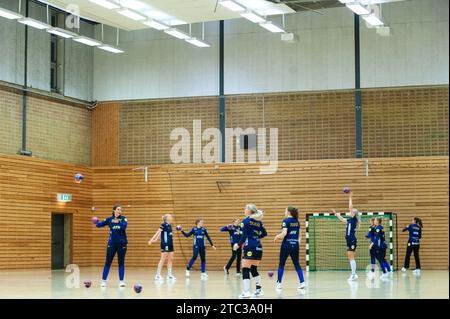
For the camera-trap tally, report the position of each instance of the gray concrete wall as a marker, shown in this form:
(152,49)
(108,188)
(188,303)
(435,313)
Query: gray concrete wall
(156,65)
(79,58)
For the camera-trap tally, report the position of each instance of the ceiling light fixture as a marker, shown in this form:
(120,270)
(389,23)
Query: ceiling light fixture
(198,43)
(106,4)
(177,33)
(156,25)
(232,5)
(373,20)
(270,26)
(87,41)
(110,48)
(131,14)
(253,17)
(34,23)
(8,14)
(62,33)
(358,8)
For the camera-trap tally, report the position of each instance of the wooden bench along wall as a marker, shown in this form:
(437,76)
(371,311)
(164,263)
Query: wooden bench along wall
(407,186)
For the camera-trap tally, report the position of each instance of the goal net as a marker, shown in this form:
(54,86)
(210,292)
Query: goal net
(326,246)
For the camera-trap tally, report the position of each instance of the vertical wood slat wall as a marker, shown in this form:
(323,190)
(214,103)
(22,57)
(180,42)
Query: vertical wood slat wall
(105,134)
(407,186)
(28,198)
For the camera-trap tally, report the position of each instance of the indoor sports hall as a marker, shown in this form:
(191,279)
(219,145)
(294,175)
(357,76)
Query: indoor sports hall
(224,149)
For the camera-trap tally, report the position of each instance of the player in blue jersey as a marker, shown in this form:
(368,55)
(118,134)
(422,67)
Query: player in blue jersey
(252,232)
(235,235)
(117,243)
(415,235)
(380,246)
(290,245)
(165,233)
(200,233)
(370,235)
(352,224)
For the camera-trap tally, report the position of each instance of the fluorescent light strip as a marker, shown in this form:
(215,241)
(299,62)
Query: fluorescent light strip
(198,43)
(358,8)
(268,25)
(156,25)
(110,48)
(373,20)
(9,14)
(232,5)
(34,23)
(87,41)
(106,4)
(253,17)
(131,14)
(62,33)
(177,33)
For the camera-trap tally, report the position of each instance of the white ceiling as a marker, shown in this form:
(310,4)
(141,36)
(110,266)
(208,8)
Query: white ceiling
(172,12)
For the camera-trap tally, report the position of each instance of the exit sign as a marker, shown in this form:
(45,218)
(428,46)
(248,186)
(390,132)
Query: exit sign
(63,198)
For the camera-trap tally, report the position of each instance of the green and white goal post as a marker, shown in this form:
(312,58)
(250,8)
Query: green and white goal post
(326,245)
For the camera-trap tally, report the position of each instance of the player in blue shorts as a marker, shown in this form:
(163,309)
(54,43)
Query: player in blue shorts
(415,235)
(352,224)
(199,232)
(370,235)
(117,243)
(290,245)
(235,235)
(252,232)
(380,246)
(165,233)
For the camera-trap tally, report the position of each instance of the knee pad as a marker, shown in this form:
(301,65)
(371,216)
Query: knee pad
(245,273)
(254,271)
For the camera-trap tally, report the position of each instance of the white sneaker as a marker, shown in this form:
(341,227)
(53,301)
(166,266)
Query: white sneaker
(238,274)
(204,276)
(279,286)
(391,274)
(159,278)
(302,285)
(383,276)
(171,277)
(245,294)
(371,275)
(122,284)
(188,273)
(353,277)
(103,285)
(225,270)
(258,292)
(404,269)
(416,272)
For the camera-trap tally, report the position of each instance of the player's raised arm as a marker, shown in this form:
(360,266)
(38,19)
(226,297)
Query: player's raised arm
(338,216)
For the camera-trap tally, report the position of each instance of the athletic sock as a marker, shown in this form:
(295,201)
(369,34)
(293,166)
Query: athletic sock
(353,266)
(169,271)
(258,282)
(246,285)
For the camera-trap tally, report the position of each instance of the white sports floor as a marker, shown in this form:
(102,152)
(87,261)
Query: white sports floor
(320,285)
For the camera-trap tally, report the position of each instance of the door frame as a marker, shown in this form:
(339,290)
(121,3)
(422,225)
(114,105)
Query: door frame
(68,232)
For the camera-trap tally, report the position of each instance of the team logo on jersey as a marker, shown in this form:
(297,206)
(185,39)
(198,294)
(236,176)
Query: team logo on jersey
(249,254)
(378,230)
(242,224)
(353,247)
(284,225)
